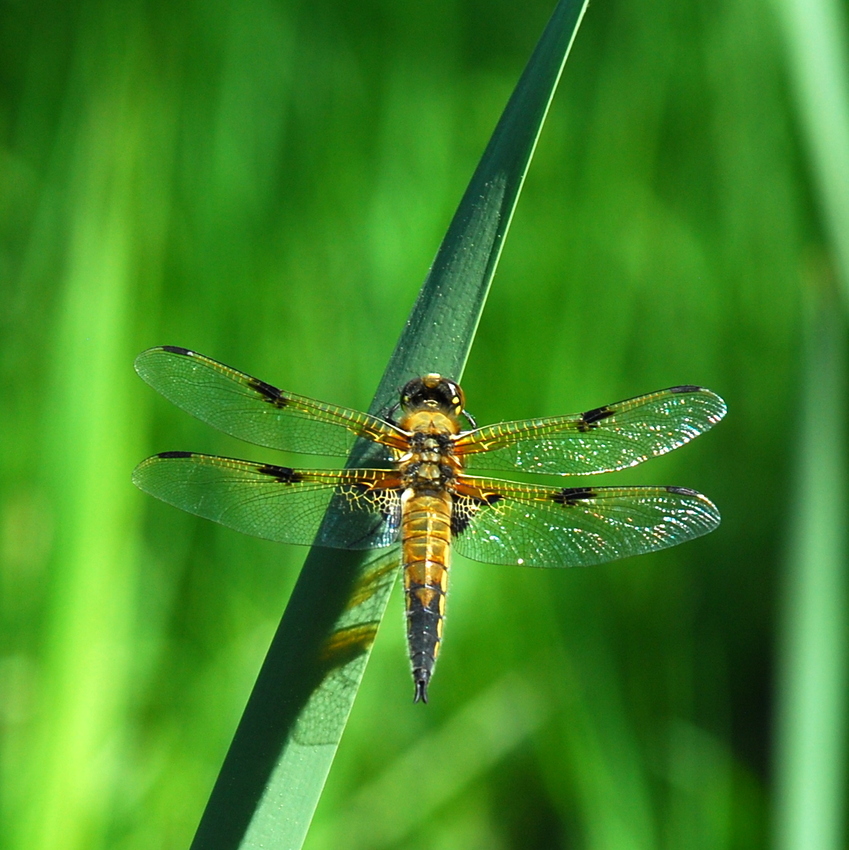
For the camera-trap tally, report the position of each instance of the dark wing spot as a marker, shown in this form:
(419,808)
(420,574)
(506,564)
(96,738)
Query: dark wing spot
(271,393)
(283,474)
(573,495)
(464,512)
(460,521)
(685,388)
(175,349)
(175,454)
(682,491)
(466,509)
(593,417)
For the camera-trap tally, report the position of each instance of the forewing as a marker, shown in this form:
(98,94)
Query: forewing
(500,522)
(255,411)
(601,440)
(276,502)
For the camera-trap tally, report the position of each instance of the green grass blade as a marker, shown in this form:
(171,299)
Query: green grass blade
(88,439)
(276,767)
(811,737)
(817,37)
(813,710)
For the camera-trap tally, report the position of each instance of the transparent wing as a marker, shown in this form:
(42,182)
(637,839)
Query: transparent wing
(500,522)
(276,502)
(257,412)
(601,440)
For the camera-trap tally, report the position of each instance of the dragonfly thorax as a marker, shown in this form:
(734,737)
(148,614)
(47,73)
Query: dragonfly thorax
(430,464)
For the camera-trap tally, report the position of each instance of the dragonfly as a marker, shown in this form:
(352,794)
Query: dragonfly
(423,490)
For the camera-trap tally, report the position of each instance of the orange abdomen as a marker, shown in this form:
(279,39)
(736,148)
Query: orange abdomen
(426,541)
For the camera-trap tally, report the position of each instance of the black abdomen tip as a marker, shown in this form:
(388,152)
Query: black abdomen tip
(421,679)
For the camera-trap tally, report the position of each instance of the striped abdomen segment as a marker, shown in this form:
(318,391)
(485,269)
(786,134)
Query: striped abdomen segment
(426,540)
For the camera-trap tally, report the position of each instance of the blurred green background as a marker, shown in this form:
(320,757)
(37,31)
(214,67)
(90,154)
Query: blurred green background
(267,182)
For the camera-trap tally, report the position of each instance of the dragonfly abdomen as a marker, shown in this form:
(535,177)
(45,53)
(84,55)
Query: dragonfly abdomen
(426,541)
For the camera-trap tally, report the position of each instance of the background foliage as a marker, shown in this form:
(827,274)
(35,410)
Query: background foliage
(266,182)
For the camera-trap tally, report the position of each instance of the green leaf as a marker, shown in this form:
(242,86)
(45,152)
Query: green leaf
(276,767)
(817,42)
(812,706)
(811,775)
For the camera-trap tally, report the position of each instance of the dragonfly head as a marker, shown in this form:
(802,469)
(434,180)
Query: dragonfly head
(433,391)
